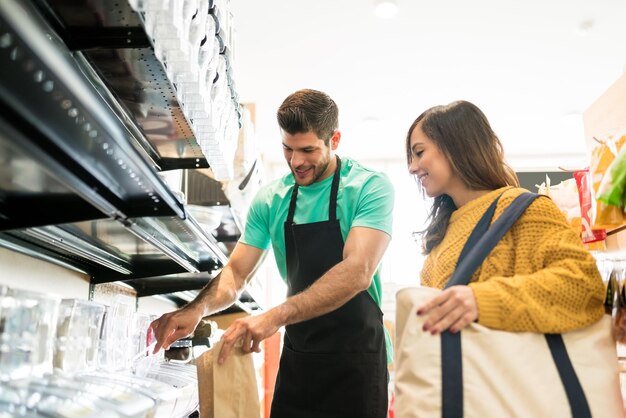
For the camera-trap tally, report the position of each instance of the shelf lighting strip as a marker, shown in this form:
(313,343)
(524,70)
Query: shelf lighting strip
(148,230)
(69,242)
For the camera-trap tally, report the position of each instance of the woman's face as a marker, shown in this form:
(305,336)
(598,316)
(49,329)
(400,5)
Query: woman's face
(430,165)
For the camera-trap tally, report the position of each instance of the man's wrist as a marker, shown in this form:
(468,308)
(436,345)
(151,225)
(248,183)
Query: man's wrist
(197,307)
(282,314)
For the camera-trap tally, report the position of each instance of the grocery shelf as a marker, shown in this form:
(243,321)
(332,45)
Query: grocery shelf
(34,180)
(110,45)
(86,124)
(109,250)
(88,121)
(40,82)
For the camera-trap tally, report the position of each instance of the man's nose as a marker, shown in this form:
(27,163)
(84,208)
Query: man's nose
(296,159)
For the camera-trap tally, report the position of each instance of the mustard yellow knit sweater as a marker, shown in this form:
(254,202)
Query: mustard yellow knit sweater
(539,277)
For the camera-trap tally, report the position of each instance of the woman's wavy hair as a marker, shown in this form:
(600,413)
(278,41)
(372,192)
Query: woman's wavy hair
(463,134)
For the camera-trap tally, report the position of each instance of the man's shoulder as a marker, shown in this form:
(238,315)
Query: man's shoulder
(354,170)
(279,187)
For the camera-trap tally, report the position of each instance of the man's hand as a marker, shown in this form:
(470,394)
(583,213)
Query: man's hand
(453,309)
(175,325)
(251,330)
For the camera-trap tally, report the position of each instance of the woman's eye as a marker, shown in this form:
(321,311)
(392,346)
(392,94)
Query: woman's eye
(418,153)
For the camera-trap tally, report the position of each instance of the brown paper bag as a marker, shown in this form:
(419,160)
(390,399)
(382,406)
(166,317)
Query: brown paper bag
(228,390)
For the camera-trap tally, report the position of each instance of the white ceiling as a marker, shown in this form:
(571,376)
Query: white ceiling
(532,66)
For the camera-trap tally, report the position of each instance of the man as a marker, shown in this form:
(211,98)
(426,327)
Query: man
(329,223)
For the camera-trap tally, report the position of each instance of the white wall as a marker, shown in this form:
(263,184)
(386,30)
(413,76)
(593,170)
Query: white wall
(23,272)
(27,273)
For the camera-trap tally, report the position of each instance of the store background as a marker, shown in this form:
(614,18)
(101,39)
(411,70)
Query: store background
(533,67)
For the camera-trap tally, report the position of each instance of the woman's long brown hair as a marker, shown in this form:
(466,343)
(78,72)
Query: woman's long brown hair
(463,134)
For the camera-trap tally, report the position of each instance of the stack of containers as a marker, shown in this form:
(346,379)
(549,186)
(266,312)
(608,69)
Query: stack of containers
(77,335)
(193,39)
(71,357)
(115,337)
(27,326)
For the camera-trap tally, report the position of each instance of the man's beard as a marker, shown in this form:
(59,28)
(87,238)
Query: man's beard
(317,172)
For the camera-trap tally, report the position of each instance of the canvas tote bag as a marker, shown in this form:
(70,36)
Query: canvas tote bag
(227,390)
(484,373)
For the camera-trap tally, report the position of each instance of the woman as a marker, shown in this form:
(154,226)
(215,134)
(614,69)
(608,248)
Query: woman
(539,277)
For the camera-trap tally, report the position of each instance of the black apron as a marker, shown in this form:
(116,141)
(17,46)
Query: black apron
(335,365)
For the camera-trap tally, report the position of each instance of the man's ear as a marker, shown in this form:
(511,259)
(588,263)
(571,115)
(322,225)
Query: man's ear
(334,140)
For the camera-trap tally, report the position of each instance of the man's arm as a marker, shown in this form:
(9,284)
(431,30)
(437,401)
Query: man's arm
(363,250)
(219,294)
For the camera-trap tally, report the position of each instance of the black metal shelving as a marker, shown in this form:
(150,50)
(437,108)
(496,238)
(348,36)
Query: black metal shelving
(108,41)
(87,120)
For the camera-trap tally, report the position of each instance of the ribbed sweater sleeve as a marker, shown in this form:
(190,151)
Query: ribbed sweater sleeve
(538,278)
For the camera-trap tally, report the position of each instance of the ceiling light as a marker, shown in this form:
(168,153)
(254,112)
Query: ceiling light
(386,9)
(586,26)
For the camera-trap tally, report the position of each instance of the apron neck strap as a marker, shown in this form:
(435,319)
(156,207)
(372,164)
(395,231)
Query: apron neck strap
(332,204)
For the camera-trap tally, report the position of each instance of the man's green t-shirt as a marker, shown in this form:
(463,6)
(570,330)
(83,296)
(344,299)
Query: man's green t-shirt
(365,199)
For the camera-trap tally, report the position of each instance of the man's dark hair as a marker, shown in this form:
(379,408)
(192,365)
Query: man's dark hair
(309,111)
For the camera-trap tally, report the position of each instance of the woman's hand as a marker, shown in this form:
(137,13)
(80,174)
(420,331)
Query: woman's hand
(453,309)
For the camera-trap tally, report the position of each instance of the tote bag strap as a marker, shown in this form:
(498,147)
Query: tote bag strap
(478,246)
(484,237)
(451,362)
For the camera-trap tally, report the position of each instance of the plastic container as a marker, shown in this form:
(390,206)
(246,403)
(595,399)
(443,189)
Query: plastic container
(115,351)
(78,335)
(27,328)
(107,396)
(165,396)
